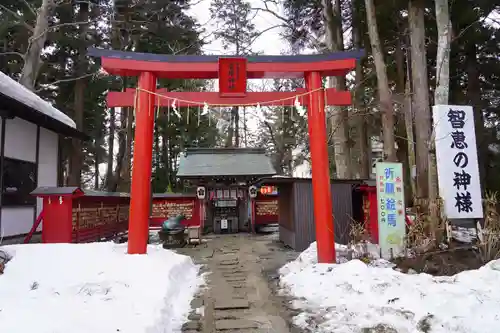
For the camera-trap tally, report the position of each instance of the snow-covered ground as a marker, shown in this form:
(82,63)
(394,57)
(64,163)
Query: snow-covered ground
(96,287)
(355,297)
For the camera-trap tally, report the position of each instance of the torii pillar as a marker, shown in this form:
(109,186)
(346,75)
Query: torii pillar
(140,189)
(322,194)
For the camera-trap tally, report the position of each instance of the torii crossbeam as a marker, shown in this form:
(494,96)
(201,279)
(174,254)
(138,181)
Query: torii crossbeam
(199,98)
(232,73)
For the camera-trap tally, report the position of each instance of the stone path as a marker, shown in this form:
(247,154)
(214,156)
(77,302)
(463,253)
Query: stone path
(239,297)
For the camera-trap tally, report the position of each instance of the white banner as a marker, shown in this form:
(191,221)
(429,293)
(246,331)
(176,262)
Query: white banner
(457,166)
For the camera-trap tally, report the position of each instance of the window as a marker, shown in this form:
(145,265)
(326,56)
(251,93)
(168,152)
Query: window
(19,180)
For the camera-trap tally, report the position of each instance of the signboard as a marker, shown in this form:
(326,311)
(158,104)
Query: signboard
(166,208)
(391,209)
(223,224)
(457,166)
(265,208)
(232,77)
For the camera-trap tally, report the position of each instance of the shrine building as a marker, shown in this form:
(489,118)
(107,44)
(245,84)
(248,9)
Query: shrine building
(222,179)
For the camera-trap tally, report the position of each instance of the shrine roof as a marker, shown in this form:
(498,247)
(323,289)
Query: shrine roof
(206,66)
(210,162)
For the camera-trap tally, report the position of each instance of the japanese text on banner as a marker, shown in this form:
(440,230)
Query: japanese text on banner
(391,209)
(456,153)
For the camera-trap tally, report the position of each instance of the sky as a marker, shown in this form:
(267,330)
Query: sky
(269,42)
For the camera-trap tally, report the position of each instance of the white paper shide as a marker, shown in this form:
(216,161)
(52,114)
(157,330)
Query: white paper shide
(457,166)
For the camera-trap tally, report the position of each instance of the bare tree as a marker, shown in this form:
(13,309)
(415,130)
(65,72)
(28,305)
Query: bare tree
(440,97)
(35,45)
(362,168)
(421,106)
(77,156)
(332,15)
(382,83)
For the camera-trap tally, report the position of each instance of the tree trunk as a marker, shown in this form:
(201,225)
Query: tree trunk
(120,158)
(157,157)
(77,158)
(96,168)
(111,148)
(404,136)
(230,130)
(36,43)
(474,99)
(362,168)
(421,105)
(408,114)
(236,133)
(441,94)
(245,127)
(166,155)
(382,84)
(127,167)
(338,115)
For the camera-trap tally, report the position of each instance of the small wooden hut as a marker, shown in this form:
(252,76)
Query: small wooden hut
(296,210)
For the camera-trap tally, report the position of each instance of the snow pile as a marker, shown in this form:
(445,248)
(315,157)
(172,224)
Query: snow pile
(356,297)
(310,256)
(96,287)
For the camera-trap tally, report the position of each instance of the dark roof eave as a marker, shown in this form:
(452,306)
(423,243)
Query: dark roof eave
(302,58)
(239,175)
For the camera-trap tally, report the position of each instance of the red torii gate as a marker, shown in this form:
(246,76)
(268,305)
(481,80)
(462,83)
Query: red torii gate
(232,86)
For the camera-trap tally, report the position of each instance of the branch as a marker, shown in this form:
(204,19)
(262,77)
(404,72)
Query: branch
(57,26)
(12,53)
(259,34)
(273,13)
(21,20)
(30,8)
(43,86)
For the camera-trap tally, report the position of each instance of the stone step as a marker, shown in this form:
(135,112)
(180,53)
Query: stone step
(235,278)
(234,274)
(228,263)
(238,268)
(197,302)
(191,326)
(231,304)
(234,324)
(237,285)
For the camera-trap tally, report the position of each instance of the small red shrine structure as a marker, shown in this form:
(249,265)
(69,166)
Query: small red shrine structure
(224,177)
(232,73)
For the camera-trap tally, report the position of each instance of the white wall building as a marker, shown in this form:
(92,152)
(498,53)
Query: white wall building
(29,153)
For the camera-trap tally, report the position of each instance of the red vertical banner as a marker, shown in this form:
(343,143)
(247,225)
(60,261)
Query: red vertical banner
(232,77)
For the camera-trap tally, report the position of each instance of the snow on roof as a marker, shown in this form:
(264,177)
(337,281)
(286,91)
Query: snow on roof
(17,91)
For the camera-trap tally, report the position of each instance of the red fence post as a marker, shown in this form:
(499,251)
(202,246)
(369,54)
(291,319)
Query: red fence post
(323,213)
(140,192)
